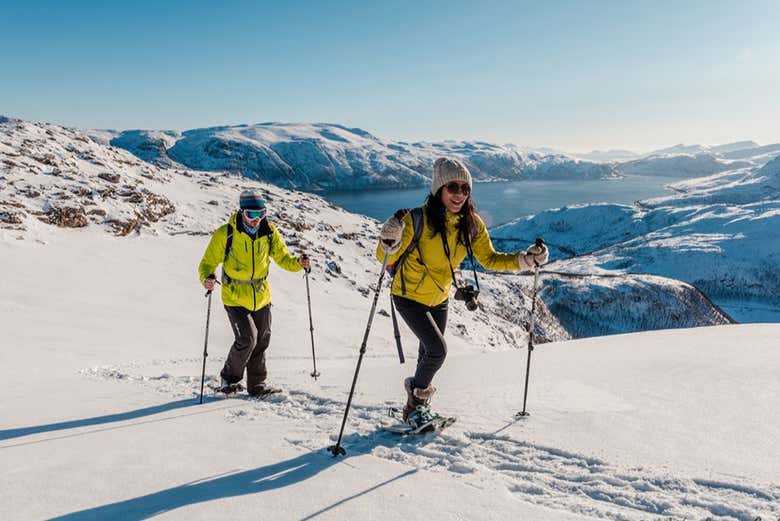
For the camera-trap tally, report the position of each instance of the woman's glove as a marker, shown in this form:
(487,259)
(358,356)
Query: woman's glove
(390,235)
(534,256)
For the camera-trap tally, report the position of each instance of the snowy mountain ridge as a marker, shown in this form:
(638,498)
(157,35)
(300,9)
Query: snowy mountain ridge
(318,156)
(690,165)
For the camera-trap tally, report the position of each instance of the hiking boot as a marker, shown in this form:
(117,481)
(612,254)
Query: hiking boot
(229,388)
(263,390)
(424,395)
(415,397)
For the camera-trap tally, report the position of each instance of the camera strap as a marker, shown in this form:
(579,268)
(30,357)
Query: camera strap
(471,258)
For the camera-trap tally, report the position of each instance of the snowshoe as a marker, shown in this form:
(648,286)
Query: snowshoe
(226,389)
(264,391)
(419,421)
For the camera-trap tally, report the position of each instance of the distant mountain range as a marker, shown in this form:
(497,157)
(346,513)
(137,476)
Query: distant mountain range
(719,233)
(322,156)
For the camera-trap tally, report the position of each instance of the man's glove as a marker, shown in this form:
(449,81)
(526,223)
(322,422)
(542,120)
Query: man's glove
(534,256)
(209,283)
(390,235)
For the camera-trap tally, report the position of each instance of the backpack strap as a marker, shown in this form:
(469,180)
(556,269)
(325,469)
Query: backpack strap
(417,229)
(228,242)
(228,245)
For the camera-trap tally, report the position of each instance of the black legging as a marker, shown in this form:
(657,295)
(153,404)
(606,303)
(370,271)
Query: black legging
(433,347)
(252,330)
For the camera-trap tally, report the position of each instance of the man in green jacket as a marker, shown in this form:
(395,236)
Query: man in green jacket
(245,246)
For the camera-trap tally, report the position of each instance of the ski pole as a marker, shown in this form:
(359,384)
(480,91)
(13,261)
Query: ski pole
(539,242)
(206,341)
(315,373)
(337,449)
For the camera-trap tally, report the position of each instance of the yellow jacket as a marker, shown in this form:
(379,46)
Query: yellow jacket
(429,284)
(246,267)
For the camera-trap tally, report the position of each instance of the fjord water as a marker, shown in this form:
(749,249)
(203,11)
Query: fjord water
(501,202)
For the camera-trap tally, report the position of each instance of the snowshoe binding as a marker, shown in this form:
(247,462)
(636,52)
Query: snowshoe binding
(419,421)
(263,391)
(226,389)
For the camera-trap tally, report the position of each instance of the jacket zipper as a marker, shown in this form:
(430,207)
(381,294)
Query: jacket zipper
(254,293)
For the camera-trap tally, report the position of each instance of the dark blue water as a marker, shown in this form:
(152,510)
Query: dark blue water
(501,202)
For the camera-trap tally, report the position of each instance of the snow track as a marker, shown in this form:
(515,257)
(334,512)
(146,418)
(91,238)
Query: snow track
(533,473)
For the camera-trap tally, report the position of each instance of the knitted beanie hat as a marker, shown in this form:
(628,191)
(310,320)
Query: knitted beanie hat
(251,200)
(446,170)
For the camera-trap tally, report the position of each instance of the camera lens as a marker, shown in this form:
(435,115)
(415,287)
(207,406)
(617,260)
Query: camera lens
(471,305)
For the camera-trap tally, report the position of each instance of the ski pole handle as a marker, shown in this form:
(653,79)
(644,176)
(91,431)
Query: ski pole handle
(539,243)
(214,278)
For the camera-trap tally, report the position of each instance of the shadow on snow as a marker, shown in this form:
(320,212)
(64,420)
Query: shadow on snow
(262,479)
(97,420)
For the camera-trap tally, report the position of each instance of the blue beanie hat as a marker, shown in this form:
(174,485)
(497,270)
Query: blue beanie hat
(251,200)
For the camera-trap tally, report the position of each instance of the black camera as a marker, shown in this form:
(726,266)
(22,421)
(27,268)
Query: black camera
(468,295)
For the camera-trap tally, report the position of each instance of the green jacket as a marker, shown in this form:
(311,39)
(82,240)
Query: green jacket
(246,267)
(428,282)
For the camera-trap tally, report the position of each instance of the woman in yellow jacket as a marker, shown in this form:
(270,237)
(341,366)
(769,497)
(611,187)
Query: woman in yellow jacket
(245,247)
(422,284)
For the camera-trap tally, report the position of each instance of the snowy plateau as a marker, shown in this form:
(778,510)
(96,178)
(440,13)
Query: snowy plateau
(103,328)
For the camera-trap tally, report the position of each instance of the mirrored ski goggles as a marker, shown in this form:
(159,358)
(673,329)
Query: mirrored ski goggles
(254,214)
(455,188)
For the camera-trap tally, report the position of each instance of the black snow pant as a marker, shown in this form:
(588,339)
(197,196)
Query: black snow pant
(433,348)
(252,330)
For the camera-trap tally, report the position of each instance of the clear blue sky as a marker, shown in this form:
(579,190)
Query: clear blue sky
(573,75)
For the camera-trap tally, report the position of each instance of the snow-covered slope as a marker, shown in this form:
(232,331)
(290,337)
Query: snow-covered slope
(698,165)
(756,154)
(608,155)
(100,417)
(147,145)
(59,176)
(700,160)
(734,187)
(53,177)
(327,156)
(719,233)
(87,184)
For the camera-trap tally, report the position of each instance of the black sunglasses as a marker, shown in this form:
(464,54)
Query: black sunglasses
(455,188)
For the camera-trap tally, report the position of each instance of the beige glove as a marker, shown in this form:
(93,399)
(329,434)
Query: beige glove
(390,235)
(534,256)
